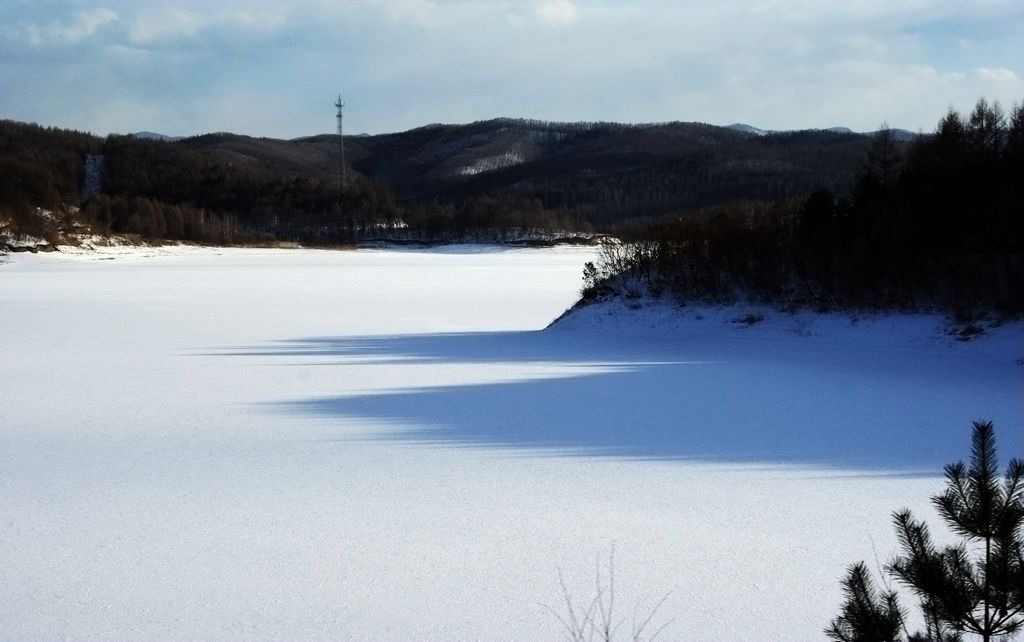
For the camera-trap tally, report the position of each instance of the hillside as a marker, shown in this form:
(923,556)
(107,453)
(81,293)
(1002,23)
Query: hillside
(497,179)
(936,226)
(602,172)
(691,163)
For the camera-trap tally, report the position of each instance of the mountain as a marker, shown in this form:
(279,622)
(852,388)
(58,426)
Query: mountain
(899,134)
(452,160)
(500,173)
(155,136)
(749,129)
(903,135)
(597,172)
(606,171)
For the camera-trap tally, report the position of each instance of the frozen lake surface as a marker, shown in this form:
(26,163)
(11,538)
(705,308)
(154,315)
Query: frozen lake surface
(256,444)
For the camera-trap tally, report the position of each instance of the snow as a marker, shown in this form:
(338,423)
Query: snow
(99,247)
(382,444)
(492,163)
(21,241)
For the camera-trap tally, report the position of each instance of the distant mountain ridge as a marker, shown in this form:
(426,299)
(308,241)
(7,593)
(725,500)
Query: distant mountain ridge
(899,134)
(156,136)
(599,172)
(748,129)
(558,175)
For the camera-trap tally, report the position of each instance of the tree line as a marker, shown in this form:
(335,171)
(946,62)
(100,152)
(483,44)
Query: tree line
(938,224)
(40,167)
(167,190)
(720,212)
(592,178)
(615,187)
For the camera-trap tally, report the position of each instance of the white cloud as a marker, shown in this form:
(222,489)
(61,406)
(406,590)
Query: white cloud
(70,31)
(85,24)
(421,12)
(403,63)
(999,75)
(175,23)
(165,23)
(809,11)
(556,12)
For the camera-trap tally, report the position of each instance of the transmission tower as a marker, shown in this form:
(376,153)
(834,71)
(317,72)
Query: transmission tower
(342,176)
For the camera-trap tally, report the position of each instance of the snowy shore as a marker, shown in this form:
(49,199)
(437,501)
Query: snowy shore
(1000,339)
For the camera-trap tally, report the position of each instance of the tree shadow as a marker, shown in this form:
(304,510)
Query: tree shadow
(680,400)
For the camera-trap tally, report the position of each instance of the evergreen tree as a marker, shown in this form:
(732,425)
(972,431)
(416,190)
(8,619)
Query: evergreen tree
(986,130)
(884,158)
(867,615)
(958,594)
(1014,167)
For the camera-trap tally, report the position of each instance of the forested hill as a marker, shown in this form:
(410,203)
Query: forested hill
(501,177)
(936,225)
(654,168)
(598,173)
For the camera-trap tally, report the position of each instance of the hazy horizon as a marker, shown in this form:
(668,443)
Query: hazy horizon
(181,135)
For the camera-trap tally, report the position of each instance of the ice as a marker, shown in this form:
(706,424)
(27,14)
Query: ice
(383,444)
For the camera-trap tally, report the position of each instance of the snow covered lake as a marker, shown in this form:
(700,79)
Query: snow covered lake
(383,445)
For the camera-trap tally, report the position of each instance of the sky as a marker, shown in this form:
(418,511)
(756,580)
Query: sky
(275,67)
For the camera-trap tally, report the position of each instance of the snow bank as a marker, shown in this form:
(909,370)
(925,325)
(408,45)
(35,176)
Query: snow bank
(997,339)
(18,242)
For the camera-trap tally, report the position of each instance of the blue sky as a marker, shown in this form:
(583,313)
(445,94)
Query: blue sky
(274,68)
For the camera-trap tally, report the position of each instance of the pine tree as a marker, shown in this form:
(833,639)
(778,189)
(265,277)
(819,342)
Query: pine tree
(986,131)
(867,615)
(958,594)
(884,158)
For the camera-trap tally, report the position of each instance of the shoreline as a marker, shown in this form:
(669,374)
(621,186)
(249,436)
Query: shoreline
(96,243)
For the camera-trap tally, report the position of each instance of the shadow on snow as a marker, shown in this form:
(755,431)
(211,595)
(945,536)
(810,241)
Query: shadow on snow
(696,400)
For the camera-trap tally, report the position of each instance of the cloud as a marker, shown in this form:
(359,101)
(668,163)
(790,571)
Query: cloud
(165,23)
(71,30)
(556,12)
(420,12)
(999,76)
(404,63)
(171,23)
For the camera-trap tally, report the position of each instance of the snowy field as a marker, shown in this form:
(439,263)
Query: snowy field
(382,445)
